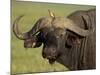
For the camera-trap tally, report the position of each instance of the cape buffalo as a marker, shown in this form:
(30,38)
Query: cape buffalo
(68,40)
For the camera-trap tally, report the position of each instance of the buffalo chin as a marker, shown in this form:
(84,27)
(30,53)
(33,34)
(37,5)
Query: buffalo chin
(52,61)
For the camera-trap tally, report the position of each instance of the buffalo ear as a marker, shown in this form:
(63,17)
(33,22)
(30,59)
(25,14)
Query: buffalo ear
(72,40)
(67,41)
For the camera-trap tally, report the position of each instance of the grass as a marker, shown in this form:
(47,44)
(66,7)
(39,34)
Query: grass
(30,60)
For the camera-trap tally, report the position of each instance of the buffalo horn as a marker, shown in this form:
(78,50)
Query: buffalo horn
(16,30)
(80,31)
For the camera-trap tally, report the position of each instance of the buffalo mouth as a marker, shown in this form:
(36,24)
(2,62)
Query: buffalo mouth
(52,61)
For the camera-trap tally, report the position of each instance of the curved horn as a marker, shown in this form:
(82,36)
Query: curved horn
(16,30)
(79,31)
(82,32)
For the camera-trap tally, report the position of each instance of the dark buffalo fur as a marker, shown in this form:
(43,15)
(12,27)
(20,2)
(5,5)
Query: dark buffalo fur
(82,54)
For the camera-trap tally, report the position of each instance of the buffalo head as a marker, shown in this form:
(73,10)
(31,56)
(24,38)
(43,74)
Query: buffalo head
(53,33)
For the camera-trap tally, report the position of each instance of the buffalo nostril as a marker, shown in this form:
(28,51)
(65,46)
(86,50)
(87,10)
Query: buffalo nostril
(53,50)
(51,57)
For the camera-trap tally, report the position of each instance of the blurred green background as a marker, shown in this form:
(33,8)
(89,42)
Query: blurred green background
(30,60)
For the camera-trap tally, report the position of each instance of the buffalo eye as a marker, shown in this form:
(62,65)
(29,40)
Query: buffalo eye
(43,37)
